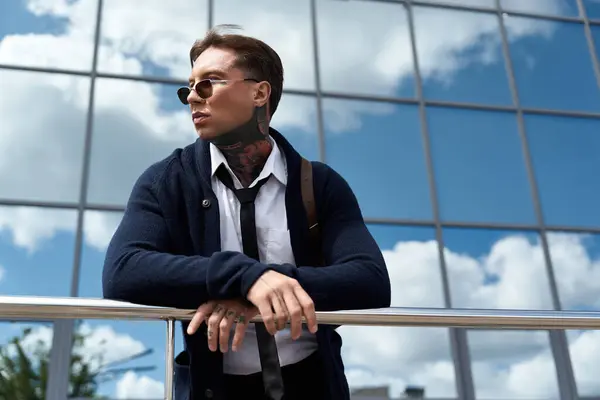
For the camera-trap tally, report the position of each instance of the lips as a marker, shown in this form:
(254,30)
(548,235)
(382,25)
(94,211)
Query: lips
(198,116)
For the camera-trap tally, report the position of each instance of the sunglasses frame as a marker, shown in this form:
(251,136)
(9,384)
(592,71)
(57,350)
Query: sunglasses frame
(184,91)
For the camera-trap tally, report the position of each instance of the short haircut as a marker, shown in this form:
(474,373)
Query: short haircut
(253,55)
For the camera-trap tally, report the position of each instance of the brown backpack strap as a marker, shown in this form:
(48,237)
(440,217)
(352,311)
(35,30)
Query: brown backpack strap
(308,198)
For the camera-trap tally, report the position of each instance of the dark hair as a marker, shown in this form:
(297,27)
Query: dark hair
(253,55)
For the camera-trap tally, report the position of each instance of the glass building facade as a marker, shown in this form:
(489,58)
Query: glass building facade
(468,129)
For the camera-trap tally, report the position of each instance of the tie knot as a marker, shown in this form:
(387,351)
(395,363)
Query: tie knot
(245,195)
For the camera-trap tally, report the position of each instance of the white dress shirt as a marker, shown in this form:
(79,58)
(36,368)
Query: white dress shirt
(274,247)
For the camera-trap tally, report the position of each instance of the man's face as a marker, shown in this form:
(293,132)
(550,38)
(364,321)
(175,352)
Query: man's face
(231,103)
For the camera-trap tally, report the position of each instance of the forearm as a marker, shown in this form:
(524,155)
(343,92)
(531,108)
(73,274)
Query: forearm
(162,279)
(353,285)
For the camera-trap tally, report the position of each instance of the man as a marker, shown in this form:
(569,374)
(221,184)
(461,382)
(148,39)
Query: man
(189,239)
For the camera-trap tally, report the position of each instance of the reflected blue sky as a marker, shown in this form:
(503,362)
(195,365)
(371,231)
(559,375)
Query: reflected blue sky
(15,19)
(478,158)
(547,80)
(393,186)
(466,83)
(565,8)
(592,7)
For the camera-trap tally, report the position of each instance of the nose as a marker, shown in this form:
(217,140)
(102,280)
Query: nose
(193,97)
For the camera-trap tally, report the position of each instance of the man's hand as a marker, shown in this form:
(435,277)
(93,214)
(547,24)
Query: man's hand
(219,317)
(275,291)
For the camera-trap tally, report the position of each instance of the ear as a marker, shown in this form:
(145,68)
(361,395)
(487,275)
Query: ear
(262,93)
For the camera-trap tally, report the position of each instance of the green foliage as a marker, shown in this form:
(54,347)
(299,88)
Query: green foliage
(24,371)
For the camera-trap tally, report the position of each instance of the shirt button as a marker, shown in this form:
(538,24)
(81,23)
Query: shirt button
(205,203)
(208,394)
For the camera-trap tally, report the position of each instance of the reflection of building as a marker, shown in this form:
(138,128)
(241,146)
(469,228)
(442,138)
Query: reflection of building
(485,136)
(382,393)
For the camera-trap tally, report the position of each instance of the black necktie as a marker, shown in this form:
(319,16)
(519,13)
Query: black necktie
(267,348)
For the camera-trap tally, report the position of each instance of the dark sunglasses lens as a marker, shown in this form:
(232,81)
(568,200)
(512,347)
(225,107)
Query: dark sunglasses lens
(183,94)
(204,88)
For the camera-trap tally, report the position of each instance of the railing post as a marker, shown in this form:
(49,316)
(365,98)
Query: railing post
(169,359)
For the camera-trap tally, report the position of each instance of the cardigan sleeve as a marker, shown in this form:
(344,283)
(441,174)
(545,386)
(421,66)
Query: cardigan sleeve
(355,275)
(139,268)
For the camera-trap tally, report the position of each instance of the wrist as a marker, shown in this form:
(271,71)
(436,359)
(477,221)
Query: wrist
(251,275)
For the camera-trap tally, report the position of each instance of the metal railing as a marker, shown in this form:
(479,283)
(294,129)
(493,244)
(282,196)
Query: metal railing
(75,308)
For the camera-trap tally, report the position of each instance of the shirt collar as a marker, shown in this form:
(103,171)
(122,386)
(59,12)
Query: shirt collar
(275,164)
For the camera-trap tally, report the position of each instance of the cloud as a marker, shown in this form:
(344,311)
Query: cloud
(136,123)
(102,345)
(511,364)
(134,386)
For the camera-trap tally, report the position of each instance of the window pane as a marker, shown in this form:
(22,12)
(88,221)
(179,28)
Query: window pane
(285,26)
(596,36)
(98,228)
(103,343)
(367,51)
(377,148)
(407,356)
(135,125)
(564,153)
(576,263)
(152,40)
(47,34)
(35,342)
(592,8)
(412,259)
(41,144)
(464,61)
(296,119)
(545,80)
(479,167)
(36,251)
(472,3)
(584,346)
(128,355)
(566,8)
(380,362)
(496,269)
(512,365)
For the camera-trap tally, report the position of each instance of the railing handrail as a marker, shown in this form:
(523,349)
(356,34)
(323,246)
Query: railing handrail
(40,308)
(90,308)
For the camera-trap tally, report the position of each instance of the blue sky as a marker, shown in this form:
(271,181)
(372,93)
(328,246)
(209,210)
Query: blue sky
(478,157)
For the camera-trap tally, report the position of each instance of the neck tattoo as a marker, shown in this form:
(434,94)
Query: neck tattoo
(247,147)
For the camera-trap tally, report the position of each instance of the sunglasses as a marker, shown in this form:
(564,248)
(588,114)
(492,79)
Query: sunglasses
(205,88)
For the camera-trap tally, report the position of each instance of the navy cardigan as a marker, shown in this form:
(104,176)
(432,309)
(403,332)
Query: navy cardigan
(166,252)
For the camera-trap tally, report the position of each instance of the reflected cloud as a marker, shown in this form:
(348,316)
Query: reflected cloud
(102,345)
(135,386)
(421,356)
(140,122)
(30,227)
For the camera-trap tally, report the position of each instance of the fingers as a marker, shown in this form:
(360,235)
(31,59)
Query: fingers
(266,312)
(308,308)
(284,295)
(242,322)
(201,313)
(281,312)
(225,329)
(212,330)
(295,312)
